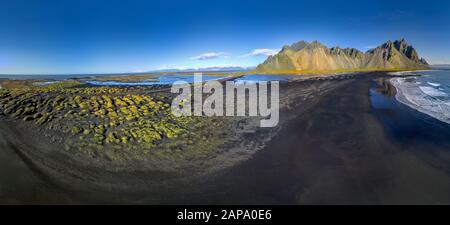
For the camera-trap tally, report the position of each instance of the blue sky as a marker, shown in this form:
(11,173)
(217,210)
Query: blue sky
(60,37)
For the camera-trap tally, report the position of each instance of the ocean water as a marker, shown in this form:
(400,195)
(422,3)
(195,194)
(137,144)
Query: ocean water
(165,79)
(159,80)
(170,79)
(429,92)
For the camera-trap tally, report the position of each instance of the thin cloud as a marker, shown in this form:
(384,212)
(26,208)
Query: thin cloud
(209,55)
(262,51)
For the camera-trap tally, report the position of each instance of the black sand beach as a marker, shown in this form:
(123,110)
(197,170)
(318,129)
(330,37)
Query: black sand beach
(342,151)
(341,142)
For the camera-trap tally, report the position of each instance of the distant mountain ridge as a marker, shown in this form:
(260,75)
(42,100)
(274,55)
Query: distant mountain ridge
(314,56)
(208,69)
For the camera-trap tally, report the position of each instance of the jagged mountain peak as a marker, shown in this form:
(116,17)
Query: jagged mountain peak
(316,44)
(401,44)
(313,56)
(409,51)
(300,45)
(297,46)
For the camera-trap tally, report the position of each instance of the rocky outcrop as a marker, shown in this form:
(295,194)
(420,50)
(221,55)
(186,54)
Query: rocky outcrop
(314,56)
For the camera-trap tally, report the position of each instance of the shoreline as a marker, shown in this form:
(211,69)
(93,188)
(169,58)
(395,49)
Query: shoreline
(404,97)
(344,157)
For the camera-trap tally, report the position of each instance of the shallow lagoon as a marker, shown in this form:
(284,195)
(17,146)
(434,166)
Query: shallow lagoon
(170,79)
(159,80)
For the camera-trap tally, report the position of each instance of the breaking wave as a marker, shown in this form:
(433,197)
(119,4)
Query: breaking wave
(430,100)
(434,84)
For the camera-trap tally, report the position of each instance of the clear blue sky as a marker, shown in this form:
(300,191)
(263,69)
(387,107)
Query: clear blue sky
(57,37)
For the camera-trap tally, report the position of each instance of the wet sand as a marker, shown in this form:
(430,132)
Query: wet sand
(342,152)
(349,145)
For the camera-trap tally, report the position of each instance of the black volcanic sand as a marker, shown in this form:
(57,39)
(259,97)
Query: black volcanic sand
(344,151)
(347,144)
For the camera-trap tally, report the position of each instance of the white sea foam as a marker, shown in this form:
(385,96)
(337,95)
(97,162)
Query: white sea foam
(402,73)
(431,91)
(434,84)
(408,72)
(424,99)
